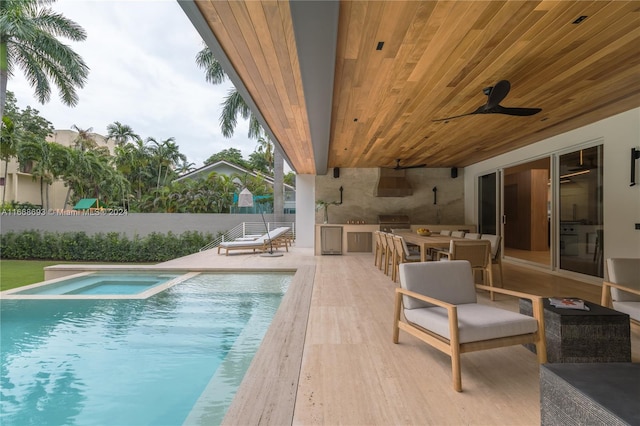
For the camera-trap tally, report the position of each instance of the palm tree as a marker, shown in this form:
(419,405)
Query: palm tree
(40,152)
(134,160)
(265,149)
(28,40)
(234,106)
(8,149)
(165,154)
(185,167)
(121,133)
(84,141)
(86,173)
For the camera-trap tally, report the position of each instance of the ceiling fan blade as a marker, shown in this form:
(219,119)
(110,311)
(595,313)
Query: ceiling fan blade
(399,167)
(521,112)
(461,115)
(497,94)
(417,166)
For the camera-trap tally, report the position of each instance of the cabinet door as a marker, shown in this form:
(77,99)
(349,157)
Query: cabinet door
(331,239)
(359,242)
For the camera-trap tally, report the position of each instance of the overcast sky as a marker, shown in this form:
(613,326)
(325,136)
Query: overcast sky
(143,73)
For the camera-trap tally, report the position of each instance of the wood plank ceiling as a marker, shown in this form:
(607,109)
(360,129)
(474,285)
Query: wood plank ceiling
(436,59)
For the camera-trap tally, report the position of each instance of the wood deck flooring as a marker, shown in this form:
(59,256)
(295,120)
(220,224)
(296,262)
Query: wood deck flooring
(341,367)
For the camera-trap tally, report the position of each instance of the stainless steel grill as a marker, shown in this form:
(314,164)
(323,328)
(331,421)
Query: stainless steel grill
(388,222)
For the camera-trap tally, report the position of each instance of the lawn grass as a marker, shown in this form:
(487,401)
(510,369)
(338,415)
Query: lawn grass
(17,273)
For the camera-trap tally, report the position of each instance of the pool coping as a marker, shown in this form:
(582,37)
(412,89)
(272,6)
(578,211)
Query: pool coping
(15,293)
(267,394)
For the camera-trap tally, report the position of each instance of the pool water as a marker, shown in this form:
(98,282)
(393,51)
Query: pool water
(154,361)
(101,283)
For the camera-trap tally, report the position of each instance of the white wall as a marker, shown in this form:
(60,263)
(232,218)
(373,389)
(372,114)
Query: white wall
(305,210)
(619,134)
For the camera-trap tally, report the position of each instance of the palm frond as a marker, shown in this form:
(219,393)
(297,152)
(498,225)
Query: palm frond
(213,70)
(232,107)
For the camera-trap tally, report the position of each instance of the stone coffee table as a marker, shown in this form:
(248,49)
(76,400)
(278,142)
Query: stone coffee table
(598,335)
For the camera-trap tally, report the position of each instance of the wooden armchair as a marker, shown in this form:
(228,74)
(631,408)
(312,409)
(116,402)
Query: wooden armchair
(439,303)
(622,291)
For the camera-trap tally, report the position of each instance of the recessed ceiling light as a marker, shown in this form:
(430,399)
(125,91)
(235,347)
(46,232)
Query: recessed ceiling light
(580,19)
(379,46)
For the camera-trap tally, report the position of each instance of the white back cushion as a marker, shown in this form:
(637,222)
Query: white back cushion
(624,271)
(450,282)
(495,241)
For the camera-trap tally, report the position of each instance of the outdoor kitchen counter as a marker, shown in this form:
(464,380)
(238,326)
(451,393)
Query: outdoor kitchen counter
(348,228)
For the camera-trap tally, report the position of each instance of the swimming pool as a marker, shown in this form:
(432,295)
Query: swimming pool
(100,283)
(177,355)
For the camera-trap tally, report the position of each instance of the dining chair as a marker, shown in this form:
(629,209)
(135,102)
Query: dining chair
(445,232)
(478,254)
(496,252)
(439,253)
(382,256)
(377,254)
(472,236)
(402,255)
(389,253)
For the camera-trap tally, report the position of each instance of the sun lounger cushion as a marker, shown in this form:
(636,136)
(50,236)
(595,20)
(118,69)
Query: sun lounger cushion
(262,242)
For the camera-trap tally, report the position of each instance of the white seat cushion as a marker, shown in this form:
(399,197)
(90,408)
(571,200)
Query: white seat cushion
(475,321)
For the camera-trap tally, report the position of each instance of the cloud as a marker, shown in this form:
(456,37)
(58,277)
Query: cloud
(143,73)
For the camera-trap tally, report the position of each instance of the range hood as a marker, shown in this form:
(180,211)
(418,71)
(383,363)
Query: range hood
(392,183)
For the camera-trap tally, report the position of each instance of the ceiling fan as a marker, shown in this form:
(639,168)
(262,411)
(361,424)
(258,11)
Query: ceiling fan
(399,167)
(496,94)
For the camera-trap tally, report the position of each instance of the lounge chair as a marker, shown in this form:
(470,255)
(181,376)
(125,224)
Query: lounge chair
(276,238)
(438,300)
(622,291)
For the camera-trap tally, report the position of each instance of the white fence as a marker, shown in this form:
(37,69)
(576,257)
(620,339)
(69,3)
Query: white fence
(133,224)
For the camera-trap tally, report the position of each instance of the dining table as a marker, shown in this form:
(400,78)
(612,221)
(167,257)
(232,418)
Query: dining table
(426,242)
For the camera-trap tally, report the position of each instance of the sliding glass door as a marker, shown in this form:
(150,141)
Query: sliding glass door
(527,214)
(581,212)
(549,219)
(488,202)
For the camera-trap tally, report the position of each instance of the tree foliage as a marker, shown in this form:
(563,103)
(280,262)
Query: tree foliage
(28,40)
(230,155)
(139,176)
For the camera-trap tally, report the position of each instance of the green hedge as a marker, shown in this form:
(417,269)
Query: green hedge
(109,247)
